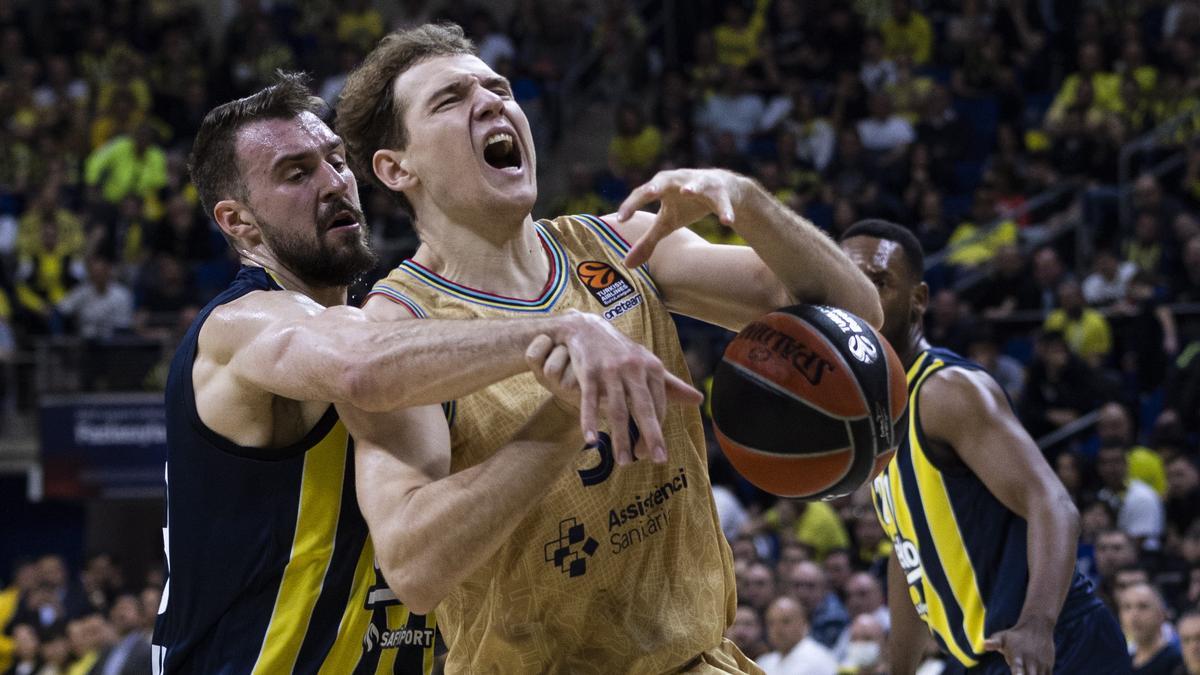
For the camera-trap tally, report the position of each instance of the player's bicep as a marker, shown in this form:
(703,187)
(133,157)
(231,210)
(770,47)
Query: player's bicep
(283,343)
(993,444)
(725,285)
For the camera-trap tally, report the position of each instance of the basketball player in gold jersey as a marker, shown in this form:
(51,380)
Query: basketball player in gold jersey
(270,569)
(984,533)
(615,565)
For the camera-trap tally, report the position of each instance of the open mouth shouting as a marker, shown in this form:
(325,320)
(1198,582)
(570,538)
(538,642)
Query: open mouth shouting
(500,151)
(342,217)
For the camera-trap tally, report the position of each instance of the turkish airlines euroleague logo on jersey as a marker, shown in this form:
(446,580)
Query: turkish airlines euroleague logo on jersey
(609,288)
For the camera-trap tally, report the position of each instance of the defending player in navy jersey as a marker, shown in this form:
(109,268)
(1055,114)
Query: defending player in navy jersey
(983,531)
(270,566)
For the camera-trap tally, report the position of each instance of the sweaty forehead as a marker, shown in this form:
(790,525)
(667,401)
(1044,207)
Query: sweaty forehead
(261,142)
(873,255)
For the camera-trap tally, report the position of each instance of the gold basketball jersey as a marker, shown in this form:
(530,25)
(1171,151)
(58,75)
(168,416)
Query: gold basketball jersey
(616,569)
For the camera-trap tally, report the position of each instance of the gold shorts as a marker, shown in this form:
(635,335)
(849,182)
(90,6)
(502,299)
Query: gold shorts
(724,658)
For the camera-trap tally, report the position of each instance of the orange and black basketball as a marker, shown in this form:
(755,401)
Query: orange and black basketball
(807,402)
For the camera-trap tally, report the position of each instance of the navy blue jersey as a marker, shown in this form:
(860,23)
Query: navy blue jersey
(962,551)
(270,569)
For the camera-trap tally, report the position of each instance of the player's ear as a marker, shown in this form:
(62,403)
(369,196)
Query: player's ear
(236,221)
(391,168)
(920,299)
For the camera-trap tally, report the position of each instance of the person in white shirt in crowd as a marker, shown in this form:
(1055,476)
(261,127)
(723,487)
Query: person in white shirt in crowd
(795,653)
(1139,509)
(884,131)
(730,511)
(877,71)
(732,109)
(1109,280)
(864,651)
(100,306)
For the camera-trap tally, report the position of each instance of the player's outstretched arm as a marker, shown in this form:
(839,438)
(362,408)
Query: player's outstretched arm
(907,636)
(998,449)
(432,529)
(789,260)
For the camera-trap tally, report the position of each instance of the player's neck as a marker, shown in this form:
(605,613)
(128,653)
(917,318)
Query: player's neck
(289,281)
(914,345)
(509,261)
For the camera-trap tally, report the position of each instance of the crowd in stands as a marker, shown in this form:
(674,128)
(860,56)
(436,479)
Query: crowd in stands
(993,129)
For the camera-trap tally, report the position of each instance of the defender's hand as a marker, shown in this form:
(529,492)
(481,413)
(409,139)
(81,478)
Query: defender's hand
(598,367)
(686,195)
(1029,650)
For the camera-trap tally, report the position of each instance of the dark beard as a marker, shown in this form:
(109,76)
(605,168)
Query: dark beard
(317,263)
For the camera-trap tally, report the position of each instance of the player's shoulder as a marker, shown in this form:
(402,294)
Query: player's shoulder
(959,392)
(238,321)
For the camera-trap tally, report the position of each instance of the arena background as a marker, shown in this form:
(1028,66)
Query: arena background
(1045,154)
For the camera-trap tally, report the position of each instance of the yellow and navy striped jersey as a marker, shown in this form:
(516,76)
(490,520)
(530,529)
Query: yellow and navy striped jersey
(270,568)
(963,552)
(614,569)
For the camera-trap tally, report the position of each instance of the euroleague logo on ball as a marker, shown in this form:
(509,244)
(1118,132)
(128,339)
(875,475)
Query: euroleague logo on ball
(862,349)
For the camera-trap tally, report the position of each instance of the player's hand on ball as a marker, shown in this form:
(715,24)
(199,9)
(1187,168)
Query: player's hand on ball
(685,195)
(1028,649)
(601,369)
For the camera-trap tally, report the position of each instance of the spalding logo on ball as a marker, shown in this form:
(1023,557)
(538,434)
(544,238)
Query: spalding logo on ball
(803,404)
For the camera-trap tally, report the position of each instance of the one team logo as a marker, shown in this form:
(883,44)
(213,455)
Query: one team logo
(609,288)
(570,551)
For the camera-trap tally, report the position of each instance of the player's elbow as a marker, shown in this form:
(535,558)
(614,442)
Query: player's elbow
(413,583)
(359,385)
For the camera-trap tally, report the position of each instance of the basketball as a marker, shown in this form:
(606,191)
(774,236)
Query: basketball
(807,400)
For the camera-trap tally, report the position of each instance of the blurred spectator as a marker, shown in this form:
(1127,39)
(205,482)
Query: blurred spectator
(1048,273)
(634,152)
(1061,387)
(976,240)
(884,131)
(1115,550)
(1186,286)
(25,658)
(1139,509)
(127,165)
(907,32)
(1183,495)
(1146,250)
(812,523)
(941,129)
(1008,372)
(864,597)
(1189,642)
(838,567)
(795,652)
(1087,331)
(55,652)
(493,44)
(730,512)
(737,37)
(865,648)
(747,632)
(733,109)
(1115,428)
(1109,280)
(1103,84)
(947,324)
(827,618)
(814,137)
(877,72)
(359,24)
(131,653)
(101,307)
(45,275)
(1143,618)
(1146,334)
(759,586)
